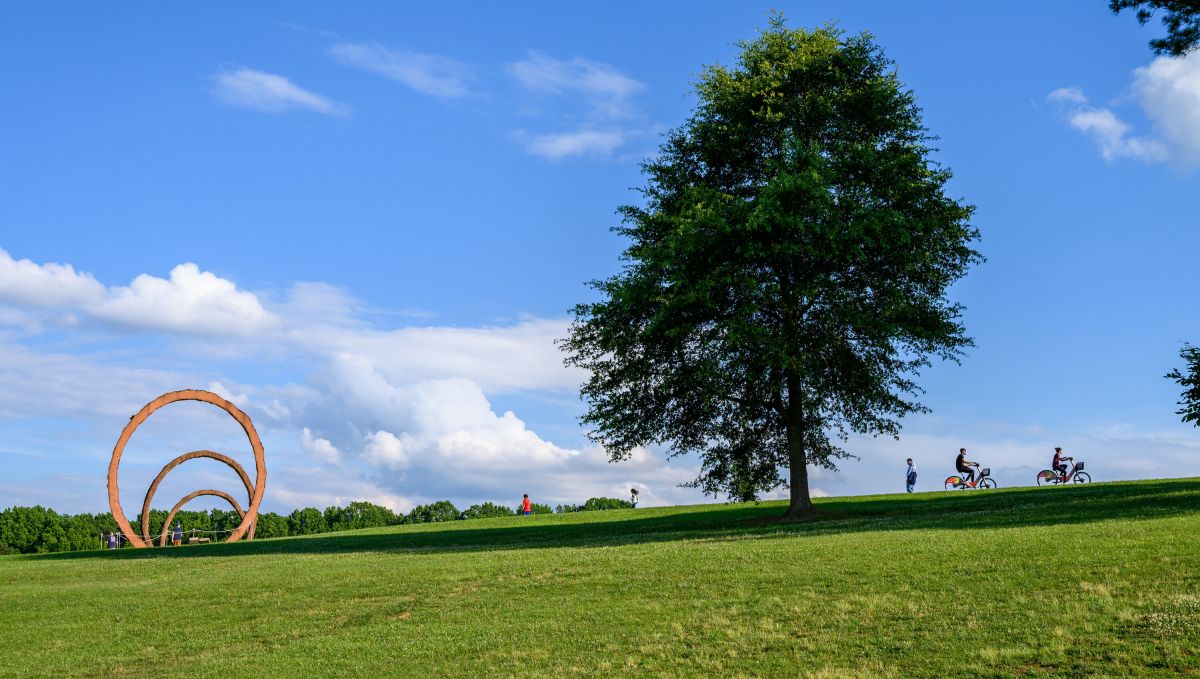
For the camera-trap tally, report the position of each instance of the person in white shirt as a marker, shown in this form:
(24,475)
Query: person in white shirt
(910,477)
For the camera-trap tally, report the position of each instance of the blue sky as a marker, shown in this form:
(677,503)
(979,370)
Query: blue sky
(366,227)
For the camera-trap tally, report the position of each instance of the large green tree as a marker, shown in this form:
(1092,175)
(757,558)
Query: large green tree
(1189,379)
(787,274)
(1181,18)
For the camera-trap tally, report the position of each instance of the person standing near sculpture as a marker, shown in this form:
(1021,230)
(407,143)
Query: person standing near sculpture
(177,536)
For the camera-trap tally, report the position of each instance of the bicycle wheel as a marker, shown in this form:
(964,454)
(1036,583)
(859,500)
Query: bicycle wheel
(987,483)
(1082,477)
(1046,477)
(953,482)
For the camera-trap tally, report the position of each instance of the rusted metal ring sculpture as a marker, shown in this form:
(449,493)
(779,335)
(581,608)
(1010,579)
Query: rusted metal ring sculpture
(255,491)
(219,457)
(162,540)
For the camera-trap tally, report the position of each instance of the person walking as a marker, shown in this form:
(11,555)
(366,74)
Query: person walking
(910,477)
(633,497)
(526,505)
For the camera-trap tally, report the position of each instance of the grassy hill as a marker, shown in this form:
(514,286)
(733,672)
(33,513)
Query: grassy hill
(1030,581)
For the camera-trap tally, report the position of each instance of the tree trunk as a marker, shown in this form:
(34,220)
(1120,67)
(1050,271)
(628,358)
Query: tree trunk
(800,506)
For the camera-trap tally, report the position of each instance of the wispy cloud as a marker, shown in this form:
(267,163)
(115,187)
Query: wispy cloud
(578,142)
(271,93)
(1112,135)
(596,100)
(426,73)
(607,90)
(1168,92)
(1067,95)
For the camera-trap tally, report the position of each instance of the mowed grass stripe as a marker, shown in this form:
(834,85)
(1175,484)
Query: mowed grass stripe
(1036,582)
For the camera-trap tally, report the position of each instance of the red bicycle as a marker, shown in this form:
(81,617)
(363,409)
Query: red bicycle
(983,480)
(1049,477)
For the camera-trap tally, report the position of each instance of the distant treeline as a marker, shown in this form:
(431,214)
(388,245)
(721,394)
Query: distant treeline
(33,530)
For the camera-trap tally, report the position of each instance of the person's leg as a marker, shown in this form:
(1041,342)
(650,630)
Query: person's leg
(968,475)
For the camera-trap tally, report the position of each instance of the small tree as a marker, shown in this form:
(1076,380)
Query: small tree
(1189,402)
(787,275)
(442,510)
(486,510)
(307,521)
(1181,18)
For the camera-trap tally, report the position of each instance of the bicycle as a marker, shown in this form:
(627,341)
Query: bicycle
(983,480)
(1048,477)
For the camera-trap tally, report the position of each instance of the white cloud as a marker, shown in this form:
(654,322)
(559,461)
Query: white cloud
(270,93)
(319,448)
(1168,92)
(520,356)
(239,400)
(46,285)
(1069,95)
(1111,134)
(579,142)
(191,301)
(604,86)
(426,73)
(600,96)
(385,449)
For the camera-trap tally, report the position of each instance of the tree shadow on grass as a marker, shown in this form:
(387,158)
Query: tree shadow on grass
(1009,508)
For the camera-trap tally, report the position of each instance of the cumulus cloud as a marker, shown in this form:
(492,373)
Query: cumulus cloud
(385,449)
(1168,93)
(189,301)
(271,93)
(319,448)
(600,97)
(426,73)
(46,285)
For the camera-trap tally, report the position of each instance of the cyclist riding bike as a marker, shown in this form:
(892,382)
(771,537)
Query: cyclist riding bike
(1059,465)
(964,466)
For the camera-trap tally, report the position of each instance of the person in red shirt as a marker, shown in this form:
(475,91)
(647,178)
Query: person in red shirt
(526,508)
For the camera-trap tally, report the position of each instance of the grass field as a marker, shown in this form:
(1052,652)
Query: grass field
(1102,580)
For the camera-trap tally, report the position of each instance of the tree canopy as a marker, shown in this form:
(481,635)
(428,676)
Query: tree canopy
(1181,18)
(1189,379)
(787,274)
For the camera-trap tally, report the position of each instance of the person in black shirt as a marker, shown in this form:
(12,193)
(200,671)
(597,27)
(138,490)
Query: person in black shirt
(964,466)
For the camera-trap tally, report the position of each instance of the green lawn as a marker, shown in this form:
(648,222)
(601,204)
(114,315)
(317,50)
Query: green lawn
(1102,579)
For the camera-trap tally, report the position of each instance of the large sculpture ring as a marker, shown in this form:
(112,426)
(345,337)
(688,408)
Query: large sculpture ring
(255,491)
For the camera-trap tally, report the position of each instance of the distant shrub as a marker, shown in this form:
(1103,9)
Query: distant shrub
(360,515)
(486,510)
(443,510)
(307,521)
(595,504)
(271,525)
